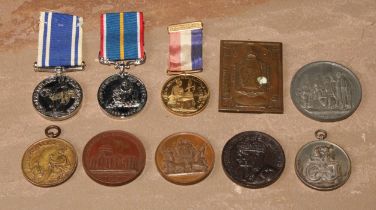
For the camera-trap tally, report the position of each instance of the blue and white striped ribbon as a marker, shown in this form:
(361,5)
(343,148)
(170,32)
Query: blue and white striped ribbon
(60,40)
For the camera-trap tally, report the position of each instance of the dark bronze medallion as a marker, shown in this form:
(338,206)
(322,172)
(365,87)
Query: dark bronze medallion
(326,91)
(114,158)
(57,97)
(251,77)
(122,95)
(253,159)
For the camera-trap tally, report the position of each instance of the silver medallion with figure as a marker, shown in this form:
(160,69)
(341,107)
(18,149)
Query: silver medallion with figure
(322,165)
(122,95)
(58,97)
(326,91)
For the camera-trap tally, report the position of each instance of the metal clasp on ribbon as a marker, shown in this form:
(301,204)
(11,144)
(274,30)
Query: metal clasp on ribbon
(122,65)
(59,69)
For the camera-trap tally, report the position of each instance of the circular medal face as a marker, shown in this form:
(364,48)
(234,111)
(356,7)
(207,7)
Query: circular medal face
(185,95)
(122,95)
(253,159)
(184,158)
(114,158)
(322,165)
(57,97)
(326,91)
(49,162)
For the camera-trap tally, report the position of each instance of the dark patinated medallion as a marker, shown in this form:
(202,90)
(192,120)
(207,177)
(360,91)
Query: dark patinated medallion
(185,95)
(322,165)
(57,97)
(122,95)
(326,91)
(114,158)
(253,159)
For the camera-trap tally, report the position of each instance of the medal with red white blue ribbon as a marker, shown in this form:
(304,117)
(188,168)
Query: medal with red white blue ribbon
(185,94)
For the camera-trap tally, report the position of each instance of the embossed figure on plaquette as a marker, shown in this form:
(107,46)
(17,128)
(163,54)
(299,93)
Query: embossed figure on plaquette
(322,168)
(184,158)
(251,77)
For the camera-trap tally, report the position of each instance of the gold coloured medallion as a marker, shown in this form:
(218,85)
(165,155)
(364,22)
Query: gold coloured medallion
(185,95)
(50,161)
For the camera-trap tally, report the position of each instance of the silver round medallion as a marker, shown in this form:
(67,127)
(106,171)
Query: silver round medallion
(58,97)
(326,91)
(122,95)
(322,165)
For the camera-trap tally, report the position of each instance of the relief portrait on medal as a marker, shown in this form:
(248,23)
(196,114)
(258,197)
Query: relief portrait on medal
(326,92)
(251,77)
(252,164)
(184,157)
(322,168)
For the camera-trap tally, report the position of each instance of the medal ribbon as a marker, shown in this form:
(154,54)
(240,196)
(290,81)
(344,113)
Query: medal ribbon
(185,47)
(60,40)
(122,36)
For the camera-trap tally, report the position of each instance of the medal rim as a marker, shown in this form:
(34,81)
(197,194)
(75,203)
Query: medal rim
(311,185)
(253,186)
(187,114)
(122,117)
(138,144)
(191,182)
(57,183)
(343,68)
(63,117)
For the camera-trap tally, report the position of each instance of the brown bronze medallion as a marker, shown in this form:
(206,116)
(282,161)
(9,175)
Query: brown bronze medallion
(184,158)
(251,77)
(185,95)
(114,158)
(50,161)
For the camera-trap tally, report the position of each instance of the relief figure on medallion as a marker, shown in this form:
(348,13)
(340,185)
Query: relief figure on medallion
(251,161)
(182,98)
(322,168)
(184,158)
(250,76)
(326,93)
(123,96)
(59,97)
(49,164)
